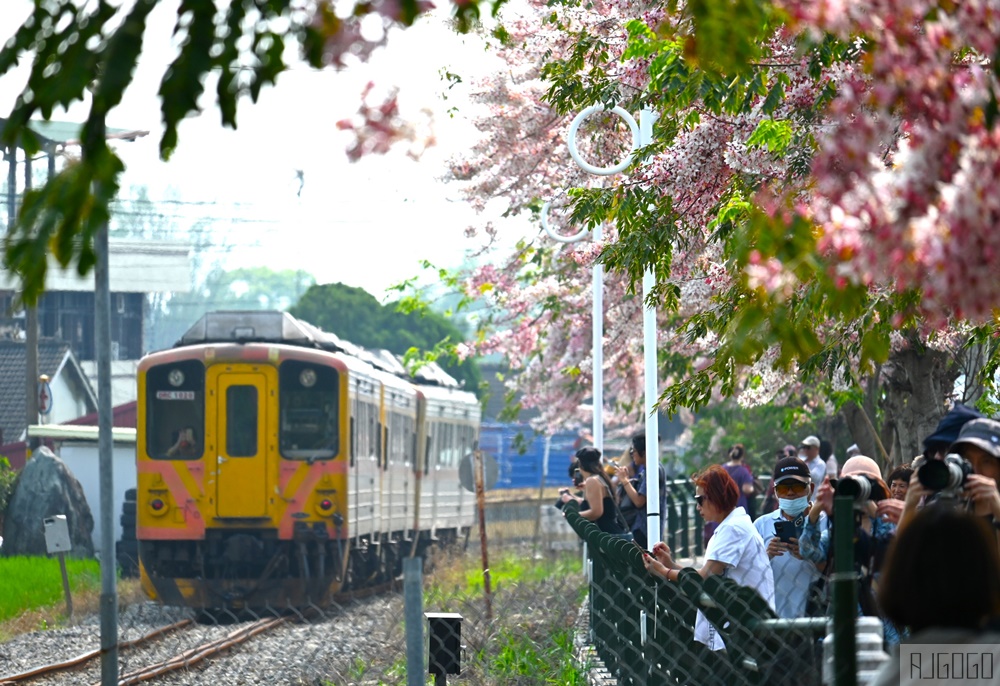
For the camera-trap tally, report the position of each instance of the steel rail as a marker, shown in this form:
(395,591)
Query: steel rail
(91,655)
(199,653)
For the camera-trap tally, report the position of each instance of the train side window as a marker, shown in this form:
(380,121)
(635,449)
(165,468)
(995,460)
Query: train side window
(241,421)
(372,437)
(175,411)
(447,456)
(354,447)
(309,411)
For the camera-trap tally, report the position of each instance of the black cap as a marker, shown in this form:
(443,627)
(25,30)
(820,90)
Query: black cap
(791,468)
(982,433)
(950,425)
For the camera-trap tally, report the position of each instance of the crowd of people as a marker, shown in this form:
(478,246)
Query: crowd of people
(927,529)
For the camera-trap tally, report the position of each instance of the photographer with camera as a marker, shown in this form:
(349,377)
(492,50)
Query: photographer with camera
(979,443)
(968,476)
(862,480)
(576,476)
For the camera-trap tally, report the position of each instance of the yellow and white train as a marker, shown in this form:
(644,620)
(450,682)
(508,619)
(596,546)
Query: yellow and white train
(278,464)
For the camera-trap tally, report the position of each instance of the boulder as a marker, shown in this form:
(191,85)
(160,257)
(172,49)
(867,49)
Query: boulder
(44,489)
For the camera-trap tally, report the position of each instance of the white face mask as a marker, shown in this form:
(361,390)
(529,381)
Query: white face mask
(793,506)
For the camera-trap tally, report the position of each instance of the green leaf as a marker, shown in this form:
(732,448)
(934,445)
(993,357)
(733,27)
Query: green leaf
(774,98)
(183,82)
(773,134)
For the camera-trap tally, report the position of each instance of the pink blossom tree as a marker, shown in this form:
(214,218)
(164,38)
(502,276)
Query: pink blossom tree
(815,205)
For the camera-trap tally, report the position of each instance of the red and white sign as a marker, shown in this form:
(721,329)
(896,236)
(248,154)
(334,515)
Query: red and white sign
(44,398)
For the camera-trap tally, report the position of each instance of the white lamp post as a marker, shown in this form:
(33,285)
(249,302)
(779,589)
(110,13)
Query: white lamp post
(642,134)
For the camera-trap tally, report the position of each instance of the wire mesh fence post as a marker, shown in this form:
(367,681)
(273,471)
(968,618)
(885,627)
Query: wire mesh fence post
(845,601)
(413,599)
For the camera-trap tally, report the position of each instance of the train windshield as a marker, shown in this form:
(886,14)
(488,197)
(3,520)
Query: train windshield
(309,399)
(175,411)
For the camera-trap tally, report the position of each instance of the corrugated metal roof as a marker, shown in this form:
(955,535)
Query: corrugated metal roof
(51,357)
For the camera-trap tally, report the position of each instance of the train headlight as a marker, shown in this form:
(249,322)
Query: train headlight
(157,507)
(324,507)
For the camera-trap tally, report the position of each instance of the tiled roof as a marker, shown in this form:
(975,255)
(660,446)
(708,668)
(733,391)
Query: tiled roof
(51,353)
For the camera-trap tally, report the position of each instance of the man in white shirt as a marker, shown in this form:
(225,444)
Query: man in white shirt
(809,453)
(793,576)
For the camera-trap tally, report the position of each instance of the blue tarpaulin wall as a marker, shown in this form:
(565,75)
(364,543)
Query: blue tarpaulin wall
(524,469)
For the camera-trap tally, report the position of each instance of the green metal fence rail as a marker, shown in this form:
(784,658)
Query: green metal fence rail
(642,627)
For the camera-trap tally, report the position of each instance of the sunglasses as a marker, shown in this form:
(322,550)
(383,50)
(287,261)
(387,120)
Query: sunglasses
(699,499)
(791,488)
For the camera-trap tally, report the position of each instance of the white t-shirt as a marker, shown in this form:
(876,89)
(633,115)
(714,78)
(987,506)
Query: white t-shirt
(832,467)
(737,545)
(792,577)
(817,469)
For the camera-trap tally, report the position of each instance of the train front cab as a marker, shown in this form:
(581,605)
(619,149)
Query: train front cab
(239,488)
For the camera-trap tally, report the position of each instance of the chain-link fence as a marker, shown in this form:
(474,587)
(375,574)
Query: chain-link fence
(551,615)
(747,623)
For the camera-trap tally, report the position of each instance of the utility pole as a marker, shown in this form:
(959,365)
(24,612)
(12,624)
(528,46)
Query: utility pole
(105,410)
(31,338)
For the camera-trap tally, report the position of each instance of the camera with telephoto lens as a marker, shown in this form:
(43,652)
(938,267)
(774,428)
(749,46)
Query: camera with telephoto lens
(859,487)
(946,476)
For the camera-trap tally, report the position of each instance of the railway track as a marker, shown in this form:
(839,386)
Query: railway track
(182,659)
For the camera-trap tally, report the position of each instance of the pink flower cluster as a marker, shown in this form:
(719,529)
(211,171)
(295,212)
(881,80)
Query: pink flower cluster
(378,127)
(904,172)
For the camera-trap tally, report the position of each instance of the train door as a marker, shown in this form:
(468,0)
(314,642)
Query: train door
(365,459)
(241,427)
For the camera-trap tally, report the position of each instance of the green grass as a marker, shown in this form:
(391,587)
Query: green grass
(35,582)
(509,567)
(529,642)
(516,657)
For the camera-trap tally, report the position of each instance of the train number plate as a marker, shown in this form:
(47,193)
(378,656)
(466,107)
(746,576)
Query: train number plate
(175,395)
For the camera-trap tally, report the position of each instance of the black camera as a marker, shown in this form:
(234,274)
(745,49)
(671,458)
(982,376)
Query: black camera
(859,487)
(945,476)
(559,502)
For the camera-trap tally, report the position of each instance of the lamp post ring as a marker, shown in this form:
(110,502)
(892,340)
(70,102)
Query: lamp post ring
(575,152)
(578,236)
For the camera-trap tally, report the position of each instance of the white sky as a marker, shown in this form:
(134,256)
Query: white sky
(366,224)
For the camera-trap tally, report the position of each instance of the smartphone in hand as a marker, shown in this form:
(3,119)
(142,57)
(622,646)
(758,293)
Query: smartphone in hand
(784,530)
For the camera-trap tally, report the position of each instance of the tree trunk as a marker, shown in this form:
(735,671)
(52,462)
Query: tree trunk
(863,420)
(916,385)
(903,403)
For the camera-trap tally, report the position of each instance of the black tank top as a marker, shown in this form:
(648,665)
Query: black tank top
(608,522)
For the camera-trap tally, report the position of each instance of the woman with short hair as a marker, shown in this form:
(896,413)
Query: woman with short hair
(736,550)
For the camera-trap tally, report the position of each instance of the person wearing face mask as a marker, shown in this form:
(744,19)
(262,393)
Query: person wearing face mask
(793,575)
